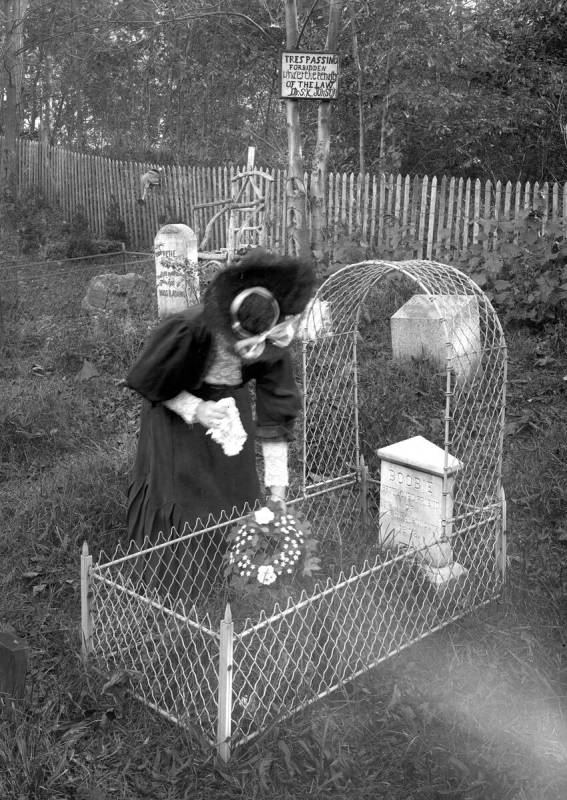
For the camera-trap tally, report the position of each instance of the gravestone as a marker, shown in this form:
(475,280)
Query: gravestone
(13,665)
(413,504)
(176,290)
(117,294)
(424,325)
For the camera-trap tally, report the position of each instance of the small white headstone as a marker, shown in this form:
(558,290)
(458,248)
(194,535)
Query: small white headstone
(174,291)
(412,505)
(427,323)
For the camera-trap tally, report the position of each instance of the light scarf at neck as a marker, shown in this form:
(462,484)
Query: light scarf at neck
(280,335)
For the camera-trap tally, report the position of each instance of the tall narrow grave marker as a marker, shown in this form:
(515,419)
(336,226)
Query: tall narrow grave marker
(177,258)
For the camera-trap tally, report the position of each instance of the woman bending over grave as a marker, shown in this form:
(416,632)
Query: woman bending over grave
(196,450)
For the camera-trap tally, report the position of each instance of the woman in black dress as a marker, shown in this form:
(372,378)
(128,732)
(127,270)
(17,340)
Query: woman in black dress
(196,455)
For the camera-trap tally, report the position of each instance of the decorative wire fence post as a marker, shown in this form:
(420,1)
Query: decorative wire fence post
(364,492)
(501,550)
(224,720)
(86,602)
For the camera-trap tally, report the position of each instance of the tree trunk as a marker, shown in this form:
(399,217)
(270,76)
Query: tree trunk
(297,224)
(45,119)
(12,80)
(384,120)
(322,149)
(356,59)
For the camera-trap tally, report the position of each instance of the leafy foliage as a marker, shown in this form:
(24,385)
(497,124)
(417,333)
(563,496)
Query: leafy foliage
(525,275)
(114,225)
(80,239)
(468,89)
(34,220)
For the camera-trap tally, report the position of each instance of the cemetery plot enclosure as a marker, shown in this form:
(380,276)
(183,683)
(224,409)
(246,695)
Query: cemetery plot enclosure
(230,663)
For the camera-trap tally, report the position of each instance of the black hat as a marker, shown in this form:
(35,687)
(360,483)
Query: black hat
(291,281)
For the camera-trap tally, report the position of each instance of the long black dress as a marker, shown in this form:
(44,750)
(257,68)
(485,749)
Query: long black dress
(181,478)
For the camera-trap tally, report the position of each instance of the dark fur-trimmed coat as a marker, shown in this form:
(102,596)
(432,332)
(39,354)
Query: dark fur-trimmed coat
(180,474)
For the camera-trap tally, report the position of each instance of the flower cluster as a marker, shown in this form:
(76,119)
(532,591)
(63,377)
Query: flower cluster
(265,546)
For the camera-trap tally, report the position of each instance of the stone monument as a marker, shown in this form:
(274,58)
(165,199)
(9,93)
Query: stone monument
(416,504)
(177,259)
(424,326)
(117,294)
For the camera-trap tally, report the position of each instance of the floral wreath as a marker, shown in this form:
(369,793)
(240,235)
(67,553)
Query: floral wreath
(269,544)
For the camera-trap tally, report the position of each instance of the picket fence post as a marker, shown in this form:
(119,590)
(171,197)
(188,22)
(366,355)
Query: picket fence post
(224,719)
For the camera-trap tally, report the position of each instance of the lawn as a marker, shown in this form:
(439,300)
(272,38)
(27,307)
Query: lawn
(478,710)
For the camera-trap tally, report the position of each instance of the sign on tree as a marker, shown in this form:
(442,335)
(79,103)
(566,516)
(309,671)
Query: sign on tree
(314,76)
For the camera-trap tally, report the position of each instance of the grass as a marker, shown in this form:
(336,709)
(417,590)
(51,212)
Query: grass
(476,711)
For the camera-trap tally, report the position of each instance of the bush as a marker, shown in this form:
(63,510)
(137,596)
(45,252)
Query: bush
(102,246)
(114,225)
(81,240)
(525,276)
(55,251)
(34,220)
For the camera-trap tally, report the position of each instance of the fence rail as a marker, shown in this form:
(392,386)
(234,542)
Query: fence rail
(421,216)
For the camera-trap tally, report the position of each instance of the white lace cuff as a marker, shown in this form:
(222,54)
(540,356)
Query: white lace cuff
(185,405)
(275,463)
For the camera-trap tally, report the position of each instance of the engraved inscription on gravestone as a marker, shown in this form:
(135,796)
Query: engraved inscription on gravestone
(173,293)
(414,510)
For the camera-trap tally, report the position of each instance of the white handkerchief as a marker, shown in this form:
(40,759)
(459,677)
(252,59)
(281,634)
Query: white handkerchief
(229,432)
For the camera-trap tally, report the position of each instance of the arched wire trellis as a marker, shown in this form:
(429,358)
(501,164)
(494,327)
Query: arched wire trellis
(232,673)
(473,421)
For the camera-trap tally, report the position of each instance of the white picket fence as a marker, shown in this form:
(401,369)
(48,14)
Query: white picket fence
(416,217)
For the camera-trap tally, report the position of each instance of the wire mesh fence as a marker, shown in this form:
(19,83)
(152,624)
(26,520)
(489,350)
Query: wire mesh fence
(229,663)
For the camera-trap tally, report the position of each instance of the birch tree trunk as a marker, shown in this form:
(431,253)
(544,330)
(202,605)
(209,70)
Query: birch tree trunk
(297,222)
(357,65)
(320,165)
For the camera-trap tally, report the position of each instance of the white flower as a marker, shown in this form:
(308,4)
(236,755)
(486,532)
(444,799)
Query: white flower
(266,574)
(263,516)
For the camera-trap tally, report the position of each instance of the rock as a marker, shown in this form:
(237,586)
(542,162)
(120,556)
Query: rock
(118,294)
(87,371)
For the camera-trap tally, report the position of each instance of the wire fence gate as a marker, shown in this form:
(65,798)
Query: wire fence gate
(230,664)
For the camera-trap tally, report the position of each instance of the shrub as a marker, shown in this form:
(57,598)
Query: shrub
(114,225)
(29,215)
(81,240)
(55,251)
(102,246)
(525,276)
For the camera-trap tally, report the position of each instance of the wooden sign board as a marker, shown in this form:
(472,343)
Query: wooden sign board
(313,76)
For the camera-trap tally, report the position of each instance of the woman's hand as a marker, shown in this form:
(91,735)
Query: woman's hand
(209,413)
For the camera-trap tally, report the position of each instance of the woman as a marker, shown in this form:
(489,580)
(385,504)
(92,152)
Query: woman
(196,455)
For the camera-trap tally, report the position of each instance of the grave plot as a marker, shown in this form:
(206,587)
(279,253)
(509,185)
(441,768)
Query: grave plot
(397,470)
